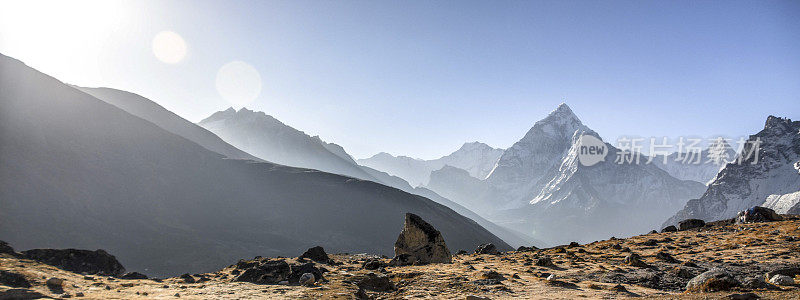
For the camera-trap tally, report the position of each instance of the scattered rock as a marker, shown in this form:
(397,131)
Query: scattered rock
(375,282)
(755,283)
(55,282)
(757,214)
(79,261)
(669,228)
(133,275)
(14,280)
(316,254)
(307,279)
(266,272)
(297,272)
(619,288)
(790,271)
(666,257)
(525,249)
(421,241)
(471,297)
(188,278)
(361,294)
(691,224)
(492,275)
(652,232)
(780,279)
(486,249)
(573,245)
(650,242)
(747,296)
(21,294)
(544,262)
(403,260)
(635,260)
(373,264)
(713,280)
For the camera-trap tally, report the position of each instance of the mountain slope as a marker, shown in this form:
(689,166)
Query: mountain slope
(272,140)
(771,178)
(147,109)
(478,159)
(267,138)
(80,173)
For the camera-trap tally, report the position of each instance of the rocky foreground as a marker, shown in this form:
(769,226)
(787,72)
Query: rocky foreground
(710,261)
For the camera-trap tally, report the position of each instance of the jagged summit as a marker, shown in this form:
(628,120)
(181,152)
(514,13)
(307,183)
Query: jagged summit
(781,124)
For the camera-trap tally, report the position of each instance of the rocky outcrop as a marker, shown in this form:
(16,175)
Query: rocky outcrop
(421,242)
(79,261)
(765,174)
(757,214)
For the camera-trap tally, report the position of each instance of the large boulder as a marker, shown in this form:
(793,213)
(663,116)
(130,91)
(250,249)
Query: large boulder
(423,243)
(758,214)
(713,280)
(316,254)
(691,223)
(97,262)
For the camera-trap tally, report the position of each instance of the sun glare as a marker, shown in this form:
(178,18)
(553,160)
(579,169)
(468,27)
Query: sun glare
(169,47)
(238,83)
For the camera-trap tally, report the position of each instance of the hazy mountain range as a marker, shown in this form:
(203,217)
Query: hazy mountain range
(271,140)
(478,159)
(104,168)
(78,172)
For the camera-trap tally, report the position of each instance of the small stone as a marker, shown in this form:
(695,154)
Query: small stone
(307,279)
(619,288)
(669,228)
(492,275)
(780,279)
(635,260)
(472,297)
(544,262)
(747,296)
(55,283)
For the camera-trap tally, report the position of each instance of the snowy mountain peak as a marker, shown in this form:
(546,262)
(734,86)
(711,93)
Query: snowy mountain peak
(560,123)
(474,145)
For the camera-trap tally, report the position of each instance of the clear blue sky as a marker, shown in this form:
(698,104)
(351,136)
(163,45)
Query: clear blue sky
(419,78)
